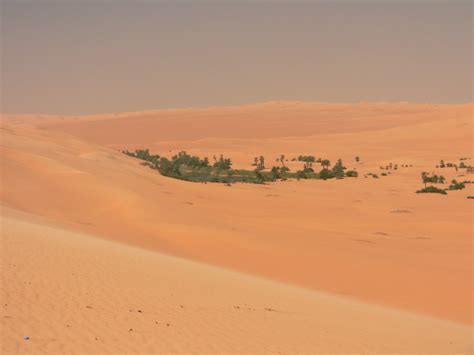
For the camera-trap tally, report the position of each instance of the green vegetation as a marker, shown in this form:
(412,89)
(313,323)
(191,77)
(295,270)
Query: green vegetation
(352,173)
(222,163)
(442,164)
(456,185)
(193,168)
(308,162)
(435,179)
(431,189)
(326,174)
(338,169)
(259,163)
(325,163)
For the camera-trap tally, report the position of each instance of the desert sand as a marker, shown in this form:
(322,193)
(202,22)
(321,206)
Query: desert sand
(90,236)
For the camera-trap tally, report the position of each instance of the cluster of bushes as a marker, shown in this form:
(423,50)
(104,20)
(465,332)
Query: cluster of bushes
(337,171)
(432,189)
(435,179)
(222,163)
(181,164)
(390,166)
(461,165)
(308,161)
(192,168)
(456,185)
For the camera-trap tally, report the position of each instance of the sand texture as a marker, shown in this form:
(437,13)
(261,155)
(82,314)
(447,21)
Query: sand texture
(103,255)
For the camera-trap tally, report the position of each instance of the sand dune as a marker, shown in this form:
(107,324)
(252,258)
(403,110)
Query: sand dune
(70,292)
(361,240)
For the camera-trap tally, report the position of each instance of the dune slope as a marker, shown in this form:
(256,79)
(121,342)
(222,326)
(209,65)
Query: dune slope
(371,239)
(72,293)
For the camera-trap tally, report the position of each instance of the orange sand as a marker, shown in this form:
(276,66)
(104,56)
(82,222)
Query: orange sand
(362,240)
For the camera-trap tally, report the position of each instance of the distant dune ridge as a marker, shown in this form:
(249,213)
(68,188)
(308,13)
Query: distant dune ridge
(361,264)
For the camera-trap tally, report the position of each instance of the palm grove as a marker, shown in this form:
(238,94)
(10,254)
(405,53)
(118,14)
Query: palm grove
(193,168)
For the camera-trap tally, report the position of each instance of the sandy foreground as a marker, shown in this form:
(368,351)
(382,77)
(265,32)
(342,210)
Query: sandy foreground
(71,292)
(85,231)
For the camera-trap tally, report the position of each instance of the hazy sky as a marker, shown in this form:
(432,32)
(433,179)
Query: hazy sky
(75,57)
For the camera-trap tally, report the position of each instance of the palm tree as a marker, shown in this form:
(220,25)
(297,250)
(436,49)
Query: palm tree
(325,163)
(282,160)
(425,177)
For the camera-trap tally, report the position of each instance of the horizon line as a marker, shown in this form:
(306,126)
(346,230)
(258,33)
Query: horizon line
(255,103)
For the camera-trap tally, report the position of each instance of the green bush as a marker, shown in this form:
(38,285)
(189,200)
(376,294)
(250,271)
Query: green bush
(431,189)
(326,174)
(307,158)
(435,179)
(325,163)
(300,174)
(456,185)
(222,163)
(338,169)
(276,172)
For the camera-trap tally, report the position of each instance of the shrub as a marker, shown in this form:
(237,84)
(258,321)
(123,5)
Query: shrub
(259,176)
(308,162)
(300,174)
(307,158)
(431,189)
(338,169)
(276,172)
(457,185)
(352,173)
(192,161)
(326,174)
(222,163)
(434,179)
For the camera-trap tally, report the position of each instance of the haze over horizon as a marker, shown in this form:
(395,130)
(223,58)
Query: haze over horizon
(93,57)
